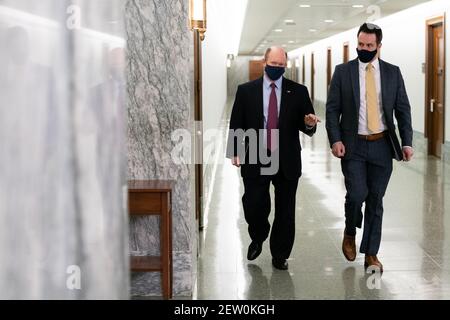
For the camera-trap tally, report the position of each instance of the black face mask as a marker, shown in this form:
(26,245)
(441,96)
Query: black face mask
(366,56)
(274,73)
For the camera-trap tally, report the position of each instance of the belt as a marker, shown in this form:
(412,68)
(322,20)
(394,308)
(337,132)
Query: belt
(373,137)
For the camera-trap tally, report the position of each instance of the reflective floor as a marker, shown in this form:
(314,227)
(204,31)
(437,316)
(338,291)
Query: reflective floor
(415,249)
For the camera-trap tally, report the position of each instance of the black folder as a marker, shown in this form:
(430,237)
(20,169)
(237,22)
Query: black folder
(395,145)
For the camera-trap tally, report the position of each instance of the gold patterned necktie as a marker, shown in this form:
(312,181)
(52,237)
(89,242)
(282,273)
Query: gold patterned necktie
(373,116)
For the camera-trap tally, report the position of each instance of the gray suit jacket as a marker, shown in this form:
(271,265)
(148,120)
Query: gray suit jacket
(342,109)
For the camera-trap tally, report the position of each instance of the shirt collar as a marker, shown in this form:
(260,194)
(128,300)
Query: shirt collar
(268,82)
(375,64)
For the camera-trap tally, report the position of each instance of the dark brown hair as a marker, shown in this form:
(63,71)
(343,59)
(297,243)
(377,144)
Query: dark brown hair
(373,29)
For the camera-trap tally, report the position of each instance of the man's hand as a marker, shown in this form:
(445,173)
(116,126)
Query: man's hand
(338,149)
(311,120)
(236,162)
(408,153)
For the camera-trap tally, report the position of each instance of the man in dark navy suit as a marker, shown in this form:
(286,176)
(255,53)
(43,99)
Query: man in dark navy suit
(267,115)
(364,96)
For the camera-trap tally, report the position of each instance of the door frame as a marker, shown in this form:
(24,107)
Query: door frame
(430,23)
(313,71)
(346,50)
(329,66)
(303,69)
(198,117)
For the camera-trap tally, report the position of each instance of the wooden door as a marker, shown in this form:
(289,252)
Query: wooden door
(256,69)
(435,91)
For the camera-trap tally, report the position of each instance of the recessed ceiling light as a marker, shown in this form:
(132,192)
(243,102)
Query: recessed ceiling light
(278,30)
(291,41)
(305,6)
(289,22)
(358,6)
(329,21)
(284,46)
(312,30)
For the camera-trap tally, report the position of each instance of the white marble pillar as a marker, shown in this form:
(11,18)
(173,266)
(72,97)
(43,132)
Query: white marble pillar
(63,218)
(160,89)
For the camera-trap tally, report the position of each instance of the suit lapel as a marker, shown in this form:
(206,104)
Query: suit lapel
(384,87)
(354,73)
(285,91)
(259,103)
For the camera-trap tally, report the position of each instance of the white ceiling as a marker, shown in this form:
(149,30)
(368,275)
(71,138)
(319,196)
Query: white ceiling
(263,17)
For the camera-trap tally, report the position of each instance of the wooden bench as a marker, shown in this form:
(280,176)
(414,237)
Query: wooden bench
(154,197)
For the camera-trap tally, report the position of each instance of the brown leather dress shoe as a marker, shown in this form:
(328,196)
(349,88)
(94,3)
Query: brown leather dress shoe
(372,261)
(349,247)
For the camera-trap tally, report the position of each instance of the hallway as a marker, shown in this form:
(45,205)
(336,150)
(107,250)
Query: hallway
(114,183)
(414,249)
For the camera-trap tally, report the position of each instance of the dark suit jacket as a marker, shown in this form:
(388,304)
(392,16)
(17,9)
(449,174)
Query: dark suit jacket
(248,114)
(342,114)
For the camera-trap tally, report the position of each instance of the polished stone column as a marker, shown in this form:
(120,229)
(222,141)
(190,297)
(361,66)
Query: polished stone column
(160,89)
(63,218)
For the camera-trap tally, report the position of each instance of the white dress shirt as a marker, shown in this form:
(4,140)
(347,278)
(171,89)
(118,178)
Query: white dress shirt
(362,127)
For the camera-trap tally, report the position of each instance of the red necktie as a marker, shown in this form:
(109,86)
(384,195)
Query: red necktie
(272,119)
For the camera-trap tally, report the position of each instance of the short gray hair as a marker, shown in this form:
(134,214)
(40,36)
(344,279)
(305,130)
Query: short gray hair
(270,49)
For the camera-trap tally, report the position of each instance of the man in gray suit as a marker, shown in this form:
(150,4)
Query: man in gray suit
(364,95)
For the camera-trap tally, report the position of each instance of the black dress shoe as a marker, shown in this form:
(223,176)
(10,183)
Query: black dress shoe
(254,250)
(280,264)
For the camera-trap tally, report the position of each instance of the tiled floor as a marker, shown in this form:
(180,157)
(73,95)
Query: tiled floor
(415,249)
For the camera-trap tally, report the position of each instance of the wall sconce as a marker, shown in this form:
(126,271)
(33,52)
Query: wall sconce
(297,63)
(197,16)
(230,58)
(289,64)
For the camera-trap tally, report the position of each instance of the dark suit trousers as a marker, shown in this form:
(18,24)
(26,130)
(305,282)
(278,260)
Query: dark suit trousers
(256,202)
(367,173)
